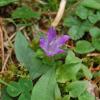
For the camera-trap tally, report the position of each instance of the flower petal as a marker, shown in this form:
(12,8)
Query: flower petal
(61,40)
(56,51)
(51,34)
(43,44)
(59,51)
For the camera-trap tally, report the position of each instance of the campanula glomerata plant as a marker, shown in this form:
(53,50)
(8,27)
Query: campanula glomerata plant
(49,49)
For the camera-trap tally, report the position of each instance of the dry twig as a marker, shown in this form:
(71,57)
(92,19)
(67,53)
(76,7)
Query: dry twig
(93,54)
(6,60)
(41,2)
(1,41)
(60,13)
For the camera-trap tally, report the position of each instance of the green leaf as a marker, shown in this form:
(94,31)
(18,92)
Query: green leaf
(77,88)
(14,89)
(27,57)
(95,32)
(86,25)
(82,12)
(93,18)
(77,31)
(45,87)
(25,12)
(25,96)
(83,47)
(25,85)
(67,72)
(71,58)
(57,93)
(86,96)
(96,43)
(98,15)
(70,21)
(6,2)
(66,97)
(86,71)
(4,94)
(95,4)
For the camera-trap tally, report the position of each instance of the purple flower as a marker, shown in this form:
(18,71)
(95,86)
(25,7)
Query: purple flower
(51,43)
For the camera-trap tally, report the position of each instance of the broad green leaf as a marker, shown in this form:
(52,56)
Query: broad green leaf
(26,56)
(83,47)
(14,89)
(82,12)
(21,88)
(77,31)
(96,43)
(25,12)
(86,71)
(95,32)
(98,15)
(71,58)
(93,18)
(77,88)
(70,21)
(25,96)
(86,96)
(66,97)
(95,4)
(45,87)
(6,2)
(4,94)
(25,85)
(67,72)
(57,93)
(86,25)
